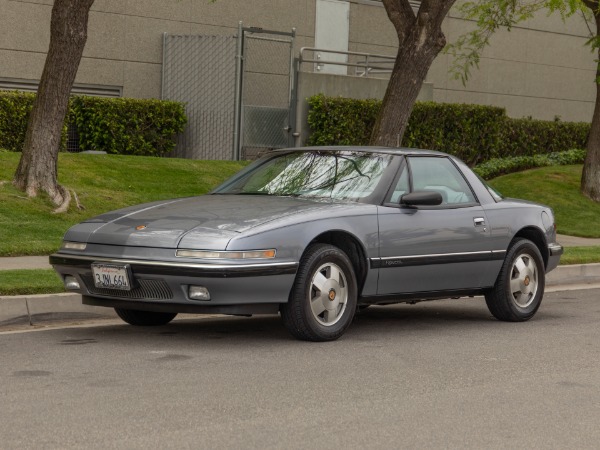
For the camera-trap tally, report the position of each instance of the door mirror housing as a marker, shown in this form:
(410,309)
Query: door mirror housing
(421,198)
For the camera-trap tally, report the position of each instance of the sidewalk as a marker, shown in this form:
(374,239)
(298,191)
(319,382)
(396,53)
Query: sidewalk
(24,262)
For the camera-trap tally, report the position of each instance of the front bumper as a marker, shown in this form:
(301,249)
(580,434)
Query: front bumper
(555,250)
(163,285)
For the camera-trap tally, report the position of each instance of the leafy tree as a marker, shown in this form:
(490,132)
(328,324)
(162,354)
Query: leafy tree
(37,169)
(491,15)
(420,39)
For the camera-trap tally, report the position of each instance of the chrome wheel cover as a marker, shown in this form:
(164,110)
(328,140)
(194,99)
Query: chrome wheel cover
(328,294)
(524,280)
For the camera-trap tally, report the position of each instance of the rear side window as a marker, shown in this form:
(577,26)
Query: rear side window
(440,175)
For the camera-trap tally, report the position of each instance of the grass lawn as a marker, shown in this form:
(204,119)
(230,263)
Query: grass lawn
(580,255)
(558,187)
(102,183)
(29,282)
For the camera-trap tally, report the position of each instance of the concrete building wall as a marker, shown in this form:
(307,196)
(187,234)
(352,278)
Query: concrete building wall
(542,69)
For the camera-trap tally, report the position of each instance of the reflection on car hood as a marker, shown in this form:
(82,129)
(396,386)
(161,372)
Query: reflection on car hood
(212,219)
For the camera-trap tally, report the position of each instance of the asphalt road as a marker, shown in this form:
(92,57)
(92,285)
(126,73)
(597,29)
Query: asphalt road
(439,374)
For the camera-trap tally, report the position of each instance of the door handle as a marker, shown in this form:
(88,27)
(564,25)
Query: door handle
(478,221)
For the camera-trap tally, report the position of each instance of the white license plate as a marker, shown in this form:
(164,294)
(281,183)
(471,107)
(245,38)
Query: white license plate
(111,276)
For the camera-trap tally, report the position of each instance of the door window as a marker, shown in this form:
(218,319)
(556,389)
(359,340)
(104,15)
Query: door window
(441,175)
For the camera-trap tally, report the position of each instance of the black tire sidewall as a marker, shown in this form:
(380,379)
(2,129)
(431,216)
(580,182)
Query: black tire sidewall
(315,257)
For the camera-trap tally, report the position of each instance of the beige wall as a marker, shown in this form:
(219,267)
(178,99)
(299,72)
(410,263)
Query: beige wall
(541,70)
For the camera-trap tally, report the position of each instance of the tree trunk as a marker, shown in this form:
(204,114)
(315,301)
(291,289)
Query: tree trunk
(420,41)
(37,168)
(590,178)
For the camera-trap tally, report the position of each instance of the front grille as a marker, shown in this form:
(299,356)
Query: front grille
(146,290)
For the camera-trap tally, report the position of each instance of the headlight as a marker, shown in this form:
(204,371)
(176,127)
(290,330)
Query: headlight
(209,254)
(66,245)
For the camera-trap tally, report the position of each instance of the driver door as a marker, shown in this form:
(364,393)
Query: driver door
(432,248)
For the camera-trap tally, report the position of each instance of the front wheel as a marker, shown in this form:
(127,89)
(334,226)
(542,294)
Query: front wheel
(323,299)
(144,318)
(519,289)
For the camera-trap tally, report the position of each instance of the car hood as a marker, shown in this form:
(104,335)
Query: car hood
(208,221)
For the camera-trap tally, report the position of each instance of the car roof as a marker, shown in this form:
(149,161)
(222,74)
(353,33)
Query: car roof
(367,149)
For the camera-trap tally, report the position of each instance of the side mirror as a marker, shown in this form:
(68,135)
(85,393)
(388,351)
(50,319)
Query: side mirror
(421,198)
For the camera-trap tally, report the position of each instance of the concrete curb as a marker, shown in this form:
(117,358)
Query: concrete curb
(575,274)
(45,308)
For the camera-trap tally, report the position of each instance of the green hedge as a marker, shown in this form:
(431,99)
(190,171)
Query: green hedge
(341,121)
(127,126)
(115,125)
(14,114)
(15,108)
(527,137)
(474,133)
(470,132)
(502,166)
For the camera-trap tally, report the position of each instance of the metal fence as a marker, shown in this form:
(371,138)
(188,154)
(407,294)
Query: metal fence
(266,89)
(200,71)
(237,91)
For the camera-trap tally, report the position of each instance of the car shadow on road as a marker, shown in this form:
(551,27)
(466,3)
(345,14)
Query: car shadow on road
(463,316)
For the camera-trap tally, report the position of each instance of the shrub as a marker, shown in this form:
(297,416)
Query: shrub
(127,126)
(526,137)
(470,132)
(15,108)
(474,133)
(341,121)
(503,166)
(467,131)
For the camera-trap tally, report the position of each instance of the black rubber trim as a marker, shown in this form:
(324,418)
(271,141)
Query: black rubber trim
(418,296)
(426,260)
(257,308)
(181,269)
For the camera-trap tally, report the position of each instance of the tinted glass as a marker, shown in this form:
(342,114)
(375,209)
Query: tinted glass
(402,186)
(337,175)
(440,175)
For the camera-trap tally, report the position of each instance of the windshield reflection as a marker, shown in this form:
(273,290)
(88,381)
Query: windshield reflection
(335,175)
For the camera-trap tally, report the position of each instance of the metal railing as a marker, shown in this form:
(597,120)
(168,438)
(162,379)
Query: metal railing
(363,63)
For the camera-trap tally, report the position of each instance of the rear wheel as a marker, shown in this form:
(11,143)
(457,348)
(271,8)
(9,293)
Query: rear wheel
(519,289)
(144,318)
(323,300)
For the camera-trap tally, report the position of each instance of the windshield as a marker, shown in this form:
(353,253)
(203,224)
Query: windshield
(338,175)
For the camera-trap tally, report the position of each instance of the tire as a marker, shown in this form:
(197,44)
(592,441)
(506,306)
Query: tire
(322,302)
(519,289)
(144,318)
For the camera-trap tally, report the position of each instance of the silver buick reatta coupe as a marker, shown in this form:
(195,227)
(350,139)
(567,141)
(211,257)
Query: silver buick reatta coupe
(315,234)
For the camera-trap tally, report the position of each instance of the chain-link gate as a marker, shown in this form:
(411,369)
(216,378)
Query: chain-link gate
(266,89)
(237,91)
(200,71)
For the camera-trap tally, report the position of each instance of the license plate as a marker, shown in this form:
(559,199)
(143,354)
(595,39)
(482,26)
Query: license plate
(111,276)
